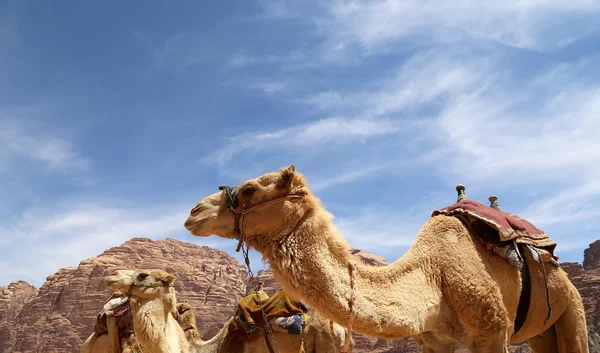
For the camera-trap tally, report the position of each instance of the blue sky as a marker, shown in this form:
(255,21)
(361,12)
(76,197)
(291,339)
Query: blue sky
(116,117)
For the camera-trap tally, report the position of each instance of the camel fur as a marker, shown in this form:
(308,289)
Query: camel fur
(151,317)
(445,290)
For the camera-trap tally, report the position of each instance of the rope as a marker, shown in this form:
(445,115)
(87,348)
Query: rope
(267,327)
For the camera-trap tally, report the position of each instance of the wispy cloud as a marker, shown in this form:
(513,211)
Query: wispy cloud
(380,231)
(343,178)
(270,87)
(423,78)
(311,134)
(488,134)
(373,25)
(23,140)
(59,236)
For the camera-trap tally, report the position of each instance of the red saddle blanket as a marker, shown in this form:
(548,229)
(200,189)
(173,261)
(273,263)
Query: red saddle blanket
(509,226)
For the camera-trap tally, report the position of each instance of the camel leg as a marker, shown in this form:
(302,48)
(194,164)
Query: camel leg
(545,342)
(571,328)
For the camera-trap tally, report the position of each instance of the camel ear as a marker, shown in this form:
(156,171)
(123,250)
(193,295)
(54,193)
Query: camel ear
(287,176)
(169,279)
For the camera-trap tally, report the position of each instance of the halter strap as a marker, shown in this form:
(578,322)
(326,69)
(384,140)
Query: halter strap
(136,283)
(248,210)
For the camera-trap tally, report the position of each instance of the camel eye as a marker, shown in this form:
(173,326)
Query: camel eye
(248,191)
(142,276)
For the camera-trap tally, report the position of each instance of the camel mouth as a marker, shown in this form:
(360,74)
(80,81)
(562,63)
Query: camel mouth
(115,279)
(111,281)
(195,226)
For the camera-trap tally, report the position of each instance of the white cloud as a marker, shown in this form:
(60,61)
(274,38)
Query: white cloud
(347,177)
(538,25)
(47,238)
(311,134)
(20,139)
(510,142)
(381,231)
(423,78)
(270,87)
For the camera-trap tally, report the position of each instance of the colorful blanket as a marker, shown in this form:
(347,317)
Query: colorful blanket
(283,314)
(279,305)
(510,227)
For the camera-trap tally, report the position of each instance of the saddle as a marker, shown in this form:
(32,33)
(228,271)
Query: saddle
(118,306)
(501,231)
(282,314)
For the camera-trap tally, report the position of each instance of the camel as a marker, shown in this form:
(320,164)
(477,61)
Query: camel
(153,302)
(103,339)
(153,297)
(447,289)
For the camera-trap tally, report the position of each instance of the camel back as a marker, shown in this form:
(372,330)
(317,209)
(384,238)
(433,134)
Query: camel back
(508,227)
(282,312)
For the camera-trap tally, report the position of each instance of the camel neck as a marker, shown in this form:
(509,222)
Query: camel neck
(390,300)
(220,343)
(152,327)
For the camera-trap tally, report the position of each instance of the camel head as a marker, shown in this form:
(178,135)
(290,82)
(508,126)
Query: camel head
(142,284)
(258,207)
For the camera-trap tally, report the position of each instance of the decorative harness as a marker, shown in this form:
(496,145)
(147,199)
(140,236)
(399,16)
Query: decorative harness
(233,203)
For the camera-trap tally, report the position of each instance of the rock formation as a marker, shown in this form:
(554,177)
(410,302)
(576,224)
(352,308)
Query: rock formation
(60,315)
(12,299)
(587,280)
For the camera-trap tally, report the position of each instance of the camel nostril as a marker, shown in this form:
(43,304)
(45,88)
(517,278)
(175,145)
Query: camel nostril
(194,210)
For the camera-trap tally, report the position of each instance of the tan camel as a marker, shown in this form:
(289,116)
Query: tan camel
(152,300)
(152,295)
(446,290)
(104,338)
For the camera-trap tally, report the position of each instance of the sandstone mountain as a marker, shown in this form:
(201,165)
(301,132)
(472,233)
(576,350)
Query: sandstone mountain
(60,315)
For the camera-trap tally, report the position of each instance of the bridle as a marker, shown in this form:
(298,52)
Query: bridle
(240,211)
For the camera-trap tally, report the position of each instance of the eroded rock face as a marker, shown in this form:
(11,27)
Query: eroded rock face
(60,315)
(12,299)
(587,280)
(591,256)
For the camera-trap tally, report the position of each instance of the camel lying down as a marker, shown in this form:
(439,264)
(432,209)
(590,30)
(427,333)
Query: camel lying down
(144,327)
